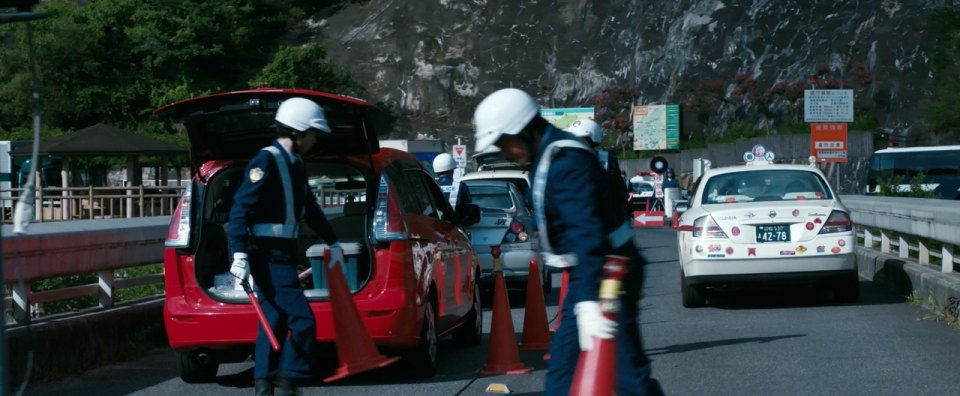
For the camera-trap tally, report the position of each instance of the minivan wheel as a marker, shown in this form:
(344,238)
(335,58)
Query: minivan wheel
(469,334)
(194,372)
(423,358)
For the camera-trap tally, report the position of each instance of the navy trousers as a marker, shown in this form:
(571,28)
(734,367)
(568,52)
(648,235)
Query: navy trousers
(633,368)
(288,312)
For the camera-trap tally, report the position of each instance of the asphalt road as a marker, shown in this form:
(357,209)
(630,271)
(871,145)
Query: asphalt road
(749,342)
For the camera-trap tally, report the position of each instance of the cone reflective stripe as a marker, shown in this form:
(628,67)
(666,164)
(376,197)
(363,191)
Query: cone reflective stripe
(503,354)
(260,316)
(536,335)
(596,372)
(355,347)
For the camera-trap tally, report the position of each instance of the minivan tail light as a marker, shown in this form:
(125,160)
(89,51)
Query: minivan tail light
(178,233)
(837,222)
(706,227)
(388,222)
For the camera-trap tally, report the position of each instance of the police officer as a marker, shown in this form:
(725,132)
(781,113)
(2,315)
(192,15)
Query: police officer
(263,231)
(457,193)
(577,229)
(591,133)
(670,180)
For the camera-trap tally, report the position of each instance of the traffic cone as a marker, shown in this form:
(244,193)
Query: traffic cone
(564,281)
(676,220)
(355,347)
(596,372)
(503,355)
(536,336)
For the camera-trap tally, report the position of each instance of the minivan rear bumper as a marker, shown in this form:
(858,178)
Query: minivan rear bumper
(390,319)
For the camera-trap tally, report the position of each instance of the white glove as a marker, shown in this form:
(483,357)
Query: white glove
(591,323)
(240,268)
(336,255)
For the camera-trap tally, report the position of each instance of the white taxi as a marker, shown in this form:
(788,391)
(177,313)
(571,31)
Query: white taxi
(764,223)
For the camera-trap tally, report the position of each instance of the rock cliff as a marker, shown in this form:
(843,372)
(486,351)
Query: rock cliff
(725,60)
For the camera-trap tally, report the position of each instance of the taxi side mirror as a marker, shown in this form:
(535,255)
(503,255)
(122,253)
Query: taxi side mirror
(468,214)
(682,207)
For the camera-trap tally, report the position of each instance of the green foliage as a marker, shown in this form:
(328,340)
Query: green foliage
(743,130)
(306,67)
(890,187)
(944,51)
(114,61)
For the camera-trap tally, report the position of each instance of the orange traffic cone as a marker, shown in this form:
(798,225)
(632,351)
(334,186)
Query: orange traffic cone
(504,357)
(564,281)
(596,372)
(676,220)
(355,347)
(536,336)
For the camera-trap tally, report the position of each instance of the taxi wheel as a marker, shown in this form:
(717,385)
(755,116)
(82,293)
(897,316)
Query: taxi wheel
(847,291)
(194,372)
(423,358)
(471,332)
(692,295)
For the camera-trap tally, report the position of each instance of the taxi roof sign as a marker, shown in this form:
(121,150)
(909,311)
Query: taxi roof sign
(758,156)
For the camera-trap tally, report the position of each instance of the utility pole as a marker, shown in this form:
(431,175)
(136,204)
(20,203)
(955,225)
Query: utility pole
(23,14)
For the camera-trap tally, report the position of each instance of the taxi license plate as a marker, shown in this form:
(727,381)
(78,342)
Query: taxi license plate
(773,233)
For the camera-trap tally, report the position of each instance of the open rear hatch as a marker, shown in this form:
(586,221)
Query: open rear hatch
(234,125)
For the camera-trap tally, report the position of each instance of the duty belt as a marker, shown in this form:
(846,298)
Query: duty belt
(289,229)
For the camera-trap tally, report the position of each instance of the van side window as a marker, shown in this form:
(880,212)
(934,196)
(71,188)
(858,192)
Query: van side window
(421,192)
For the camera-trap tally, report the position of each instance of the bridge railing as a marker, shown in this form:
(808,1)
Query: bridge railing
(106,248)
(925,230)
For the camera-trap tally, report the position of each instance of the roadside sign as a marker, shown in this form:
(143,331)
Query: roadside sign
(828,105)
(647,218)
(460,155)
(828,142)
(658,185)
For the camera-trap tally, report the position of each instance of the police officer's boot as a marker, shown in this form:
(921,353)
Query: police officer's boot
(284,386)
(262,387)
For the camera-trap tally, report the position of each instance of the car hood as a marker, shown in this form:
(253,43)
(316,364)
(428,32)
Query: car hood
(234,125)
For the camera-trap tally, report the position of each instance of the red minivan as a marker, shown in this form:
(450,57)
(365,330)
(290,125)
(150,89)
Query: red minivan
(412,271)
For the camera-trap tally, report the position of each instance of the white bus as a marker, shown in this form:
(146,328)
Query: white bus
(940,166)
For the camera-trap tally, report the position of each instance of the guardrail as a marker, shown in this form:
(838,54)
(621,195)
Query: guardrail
(77,203)
(104,247)
(925,229)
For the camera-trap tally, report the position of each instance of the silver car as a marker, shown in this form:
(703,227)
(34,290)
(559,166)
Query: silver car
(508,222)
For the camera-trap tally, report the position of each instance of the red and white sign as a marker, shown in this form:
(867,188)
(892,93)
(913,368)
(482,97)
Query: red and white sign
(828,141)
(647,218)
(460,155)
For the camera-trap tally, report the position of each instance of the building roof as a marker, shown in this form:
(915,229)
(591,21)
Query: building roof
(102,139)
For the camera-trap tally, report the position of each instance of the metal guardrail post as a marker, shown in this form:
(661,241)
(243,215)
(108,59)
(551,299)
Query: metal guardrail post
(140,198)
(924,255)
(904,248)
(90,203)
(884,241)
(21,302)
(946,264)
(105,279)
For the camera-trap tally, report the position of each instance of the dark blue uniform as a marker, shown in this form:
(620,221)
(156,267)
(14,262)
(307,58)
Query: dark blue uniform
(463,192)
(580,223)
(261,200)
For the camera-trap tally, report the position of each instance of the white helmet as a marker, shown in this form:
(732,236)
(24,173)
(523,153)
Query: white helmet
(504,112)
(443,162)
(587,129)
(302,114)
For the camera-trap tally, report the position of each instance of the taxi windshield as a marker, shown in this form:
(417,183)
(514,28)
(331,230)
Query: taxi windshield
(765,185)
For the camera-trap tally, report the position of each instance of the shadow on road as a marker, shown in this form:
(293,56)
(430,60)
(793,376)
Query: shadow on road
(710,344)
(794,296)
